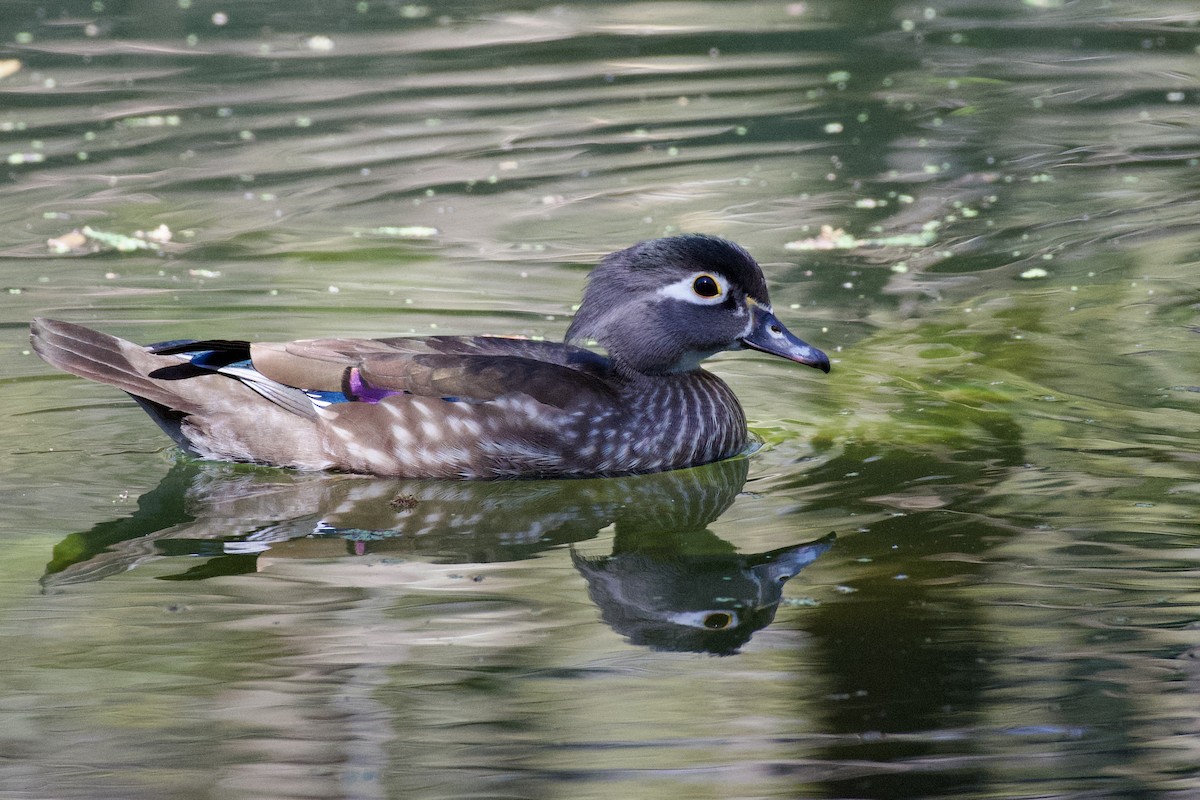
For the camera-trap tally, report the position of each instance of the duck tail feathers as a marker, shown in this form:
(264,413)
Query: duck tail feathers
(107,359)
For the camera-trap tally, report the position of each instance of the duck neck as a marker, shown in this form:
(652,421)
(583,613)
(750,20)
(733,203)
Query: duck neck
(683,417)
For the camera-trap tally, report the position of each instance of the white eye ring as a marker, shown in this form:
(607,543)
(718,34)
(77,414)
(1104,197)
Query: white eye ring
(686,289)
(715,620)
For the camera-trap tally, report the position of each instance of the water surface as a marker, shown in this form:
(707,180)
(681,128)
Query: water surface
(985,212)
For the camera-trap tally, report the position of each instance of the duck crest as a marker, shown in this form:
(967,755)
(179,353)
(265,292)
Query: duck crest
(473,407)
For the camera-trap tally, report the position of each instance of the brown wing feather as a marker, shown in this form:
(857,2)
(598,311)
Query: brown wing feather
(320,370)
(468,368)
(349,350)
(483,378)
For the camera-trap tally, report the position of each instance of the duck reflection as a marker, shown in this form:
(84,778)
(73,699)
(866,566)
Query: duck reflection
(669,583)
(675,593)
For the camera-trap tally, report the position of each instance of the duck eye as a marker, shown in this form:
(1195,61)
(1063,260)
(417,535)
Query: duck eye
(706,286)
(718,621)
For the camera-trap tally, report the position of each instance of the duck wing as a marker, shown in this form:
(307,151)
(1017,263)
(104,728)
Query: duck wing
(466,369)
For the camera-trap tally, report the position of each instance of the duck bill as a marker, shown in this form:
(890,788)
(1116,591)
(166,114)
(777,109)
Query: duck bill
(769,335)
(782,564)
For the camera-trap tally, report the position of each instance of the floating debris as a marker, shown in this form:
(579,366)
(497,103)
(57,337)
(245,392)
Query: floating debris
(68,242)
(404,502)
(400,232)
(160,235)
(832,238)
(1034,274)
(9,66)
(89,240)
(152,121)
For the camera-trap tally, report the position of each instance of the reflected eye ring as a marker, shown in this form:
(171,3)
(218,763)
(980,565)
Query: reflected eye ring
(718,620)
(706,286)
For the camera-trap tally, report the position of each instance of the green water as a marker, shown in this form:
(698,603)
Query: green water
(1007,448)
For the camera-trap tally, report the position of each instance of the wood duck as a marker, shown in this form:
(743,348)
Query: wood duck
(474,406)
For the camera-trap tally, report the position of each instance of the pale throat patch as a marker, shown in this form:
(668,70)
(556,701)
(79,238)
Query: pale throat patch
(752,321)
